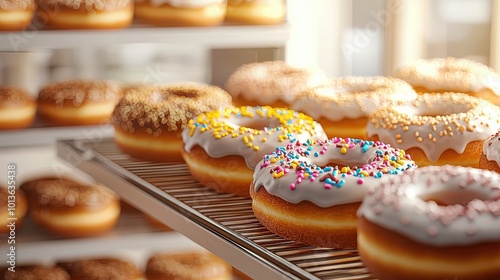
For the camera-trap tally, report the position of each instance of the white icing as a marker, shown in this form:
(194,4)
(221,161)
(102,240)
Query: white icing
(281,172)
(491,148)
(471,213)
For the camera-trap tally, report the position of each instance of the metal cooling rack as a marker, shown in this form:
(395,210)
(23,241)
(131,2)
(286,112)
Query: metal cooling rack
(222,223)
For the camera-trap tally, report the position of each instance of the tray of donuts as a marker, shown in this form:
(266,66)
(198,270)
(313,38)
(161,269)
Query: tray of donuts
(120,14)
(401,169)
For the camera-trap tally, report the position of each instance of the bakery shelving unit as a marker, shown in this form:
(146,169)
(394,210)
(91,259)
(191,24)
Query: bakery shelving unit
(221,223)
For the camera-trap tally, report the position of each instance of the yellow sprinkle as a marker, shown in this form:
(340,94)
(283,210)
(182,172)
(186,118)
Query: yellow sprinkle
(345,169)
(273,160)
(343,150)
(249,145)
(255,148)
(264,139)
(217,136)
(278,175)
(245,140)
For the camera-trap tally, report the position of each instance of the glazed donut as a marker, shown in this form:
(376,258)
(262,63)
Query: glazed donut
(256,12)
(310,193)
(181,12)
(79,102)
(72,209)
(342,106)
(101,268)
(490,157)
(12,199)
(436,222)
(16,14)
(271,83)
(17,108)
(437,129)
(187,265)
(452,74)
(221,148)
(149,120)
(87,14)
(35,272)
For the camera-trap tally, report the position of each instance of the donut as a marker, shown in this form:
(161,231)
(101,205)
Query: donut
(187,265)
(101,268)
(16,14)
(343,105)
(14,200)
(435,222)
(79,102)
(87,14)
(490,156)
(271,83)
(437,129)
(452,74)
(309,193)
(177,13)
(222,147)
(256,12)
(34,272)
(17,108)
(149,120)
(72,209)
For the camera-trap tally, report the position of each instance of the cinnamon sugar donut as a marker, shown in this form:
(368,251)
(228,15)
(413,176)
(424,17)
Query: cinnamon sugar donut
(256,12)
(271,83)
(86,14)
(149,120)
(181,12)
(310,193)
(452,74)
(79,102)
(222,147)
(187,265)
(343,105)
(435,222)
(490,157)
(437,129)
(13,208)
(101,268)
(16,14)
(17,108)
(72,209)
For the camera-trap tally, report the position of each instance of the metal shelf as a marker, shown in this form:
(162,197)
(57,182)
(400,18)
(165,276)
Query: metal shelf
(222,223)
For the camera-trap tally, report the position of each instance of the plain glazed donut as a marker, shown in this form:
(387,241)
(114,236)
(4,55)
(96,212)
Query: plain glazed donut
(436,222)
(271,83)
(256,12)
(149,120)
(490,157)
(452,74)
(310,193)
(101,268)
(35,272)
(13,208)
(17,108)
(79,102)
(181,12)
(437,129)
(221,148)
(87,14)
(72,209)
(188,266)
(343,105)
(16,14)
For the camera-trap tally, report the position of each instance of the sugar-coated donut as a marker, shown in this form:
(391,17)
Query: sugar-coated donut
(16,14)
(181,12)
(271,83)
(17,108)
(79,102)
(452,74)
(101,268)
(437,129)
(187,265)
(149,120)
(13,208)
(256,12)
(72,209)
(310,193)
(87,14)
(221,148)
(35,272)
(343,105)
(490,156)
(435,222)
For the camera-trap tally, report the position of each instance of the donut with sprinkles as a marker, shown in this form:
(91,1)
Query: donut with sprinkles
(222,147)
(434,222)
(310,192)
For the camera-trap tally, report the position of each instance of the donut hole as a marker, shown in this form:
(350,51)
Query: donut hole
(187,93)
(434,111)
(258,124)
(453,197)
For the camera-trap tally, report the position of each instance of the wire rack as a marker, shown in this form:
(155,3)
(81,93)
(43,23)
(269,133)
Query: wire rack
(220,219)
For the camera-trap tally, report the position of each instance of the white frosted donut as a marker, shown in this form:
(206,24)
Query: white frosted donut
(437,129)
(447,216)
(310,192)
(241,136)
